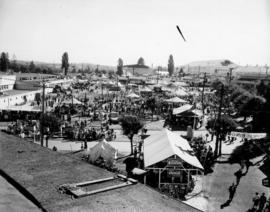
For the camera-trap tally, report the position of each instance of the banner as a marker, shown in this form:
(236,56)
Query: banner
(248,136)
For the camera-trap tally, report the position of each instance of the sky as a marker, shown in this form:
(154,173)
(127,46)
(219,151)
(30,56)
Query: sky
(101,31)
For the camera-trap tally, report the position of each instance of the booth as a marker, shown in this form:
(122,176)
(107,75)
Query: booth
(170,162)
(186,115)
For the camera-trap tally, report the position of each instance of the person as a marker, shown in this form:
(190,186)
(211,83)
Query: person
(262,201)
(131,163)
(248,164)
(267,206)
(238,175)
(256,200)
(232,190)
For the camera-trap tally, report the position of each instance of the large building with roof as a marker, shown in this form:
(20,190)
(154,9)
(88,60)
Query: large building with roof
(137,70)
(40,172)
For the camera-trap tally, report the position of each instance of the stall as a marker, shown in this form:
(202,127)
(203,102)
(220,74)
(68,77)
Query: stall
(170,162)
(186,115)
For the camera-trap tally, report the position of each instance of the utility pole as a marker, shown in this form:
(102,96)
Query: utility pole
(204,81)
(102,91)
(218,138)
(157,74)
(42,114)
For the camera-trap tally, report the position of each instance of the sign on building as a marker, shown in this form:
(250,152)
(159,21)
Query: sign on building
(266,182)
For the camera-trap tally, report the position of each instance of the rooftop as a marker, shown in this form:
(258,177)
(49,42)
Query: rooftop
(41,171)
(15,92)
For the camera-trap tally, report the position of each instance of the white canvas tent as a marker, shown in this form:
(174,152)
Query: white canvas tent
(133,96)
(175,100)
(182,109)
(165,144)
(69,101)
(145,89)
(181,92)
(102,149)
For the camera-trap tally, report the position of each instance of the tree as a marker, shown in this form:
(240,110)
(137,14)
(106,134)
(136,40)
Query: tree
(4,62)
(181,72)
(131,126)
(225,125)
(32,67)
(141,61)
(151,104)
(119,71)
(52,122)
(226,62)
(65,63)
(171,65)
(252,106)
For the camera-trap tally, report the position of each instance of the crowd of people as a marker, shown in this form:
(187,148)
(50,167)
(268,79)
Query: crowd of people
(260,203)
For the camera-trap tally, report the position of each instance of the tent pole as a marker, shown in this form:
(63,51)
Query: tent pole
(159,178)
(188,178)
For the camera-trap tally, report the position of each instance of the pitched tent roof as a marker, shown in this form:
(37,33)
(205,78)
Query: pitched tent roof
(165,144)
(133,95)
(102,149)
(69,101)
(176,100)
(145,89)
(181,92)
(182,109)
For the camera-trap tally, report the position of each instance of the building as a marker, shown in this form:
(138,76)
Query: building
(18,97)
(41,171)
(7,82)
(137,70)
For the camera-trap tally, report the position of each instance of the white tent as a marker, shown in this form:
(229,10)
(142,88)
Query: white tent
(133,95)
(102,149)
(165,144)
(181,92)
(69,101)
(182,109)
(176,100)
(145,89)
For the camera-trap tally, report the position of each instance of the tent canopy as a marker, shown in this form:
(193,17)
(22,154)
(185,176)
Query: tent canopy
(176,100)
(181,92)
(133,95)
(69,101)
(145,89)
(182,109)
(165,144)
(102,149)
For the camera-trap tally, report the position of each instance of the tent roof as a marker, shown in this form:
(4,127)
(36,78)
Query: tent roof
(133,95)
(181,92)
(182,109)
(145,89)
(165,144)
(69,101)
(102,145)
(176,100)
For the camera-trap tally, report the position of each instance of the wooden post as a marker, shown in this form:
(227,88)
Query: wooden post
(144,180)
(42,114)
(159,178)
(188,178)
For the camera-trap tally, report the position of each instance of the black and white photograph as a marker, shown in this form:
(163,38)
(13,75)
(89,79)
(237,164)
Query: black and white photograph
(135,105)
